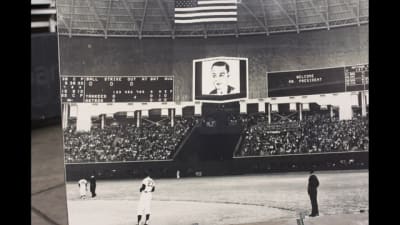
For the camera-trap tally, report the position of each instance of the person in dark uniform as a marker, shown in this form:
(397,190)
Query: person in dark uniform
(93,185)
(313,184)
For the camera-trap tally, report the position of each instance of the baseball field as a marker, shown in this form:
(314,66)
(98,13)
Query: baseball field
(275,198)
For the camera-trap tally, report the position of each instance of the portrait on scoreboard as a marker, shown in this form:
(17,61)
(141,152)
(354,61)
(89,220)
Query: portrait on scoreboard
(220,78)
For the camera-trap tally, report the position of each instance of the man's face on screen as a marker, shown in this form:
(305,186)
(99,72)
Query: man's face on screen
(220,77)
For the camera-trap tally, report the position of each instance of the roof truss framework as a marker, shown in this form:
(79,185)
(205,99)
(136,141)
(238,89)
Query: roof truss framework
(320,13)
(108,18)
(98,20)
(349,7)
(143,18)
(265,16)
(71,17)
(327,13)
(131,15)
(254,16)
(166,16)
(358,12)
(284,11)
(154,18)
(297,16)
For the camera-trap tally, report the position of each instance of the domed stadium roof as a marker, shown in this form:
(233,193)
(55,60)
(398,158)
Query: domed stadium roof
(155,18)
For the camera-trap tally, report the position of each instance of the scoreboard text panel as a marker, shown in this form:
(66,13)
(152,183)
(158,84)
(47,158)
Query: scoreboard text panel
(306,82)
(116,89)
(318,81)
(357,77)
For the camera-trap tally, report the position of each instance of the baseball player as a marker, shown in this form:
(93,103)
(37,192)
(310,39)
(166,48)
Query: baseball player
(148,186)
(82,184)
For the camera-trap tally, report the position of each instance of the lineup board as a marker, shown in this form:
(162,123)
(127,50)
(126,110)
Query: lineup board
(108,89)
(356,77)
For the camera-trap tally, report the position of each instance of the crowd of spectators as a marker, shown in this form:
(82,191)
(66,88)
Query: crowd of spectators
(126,141)
(121,141)
(316,133)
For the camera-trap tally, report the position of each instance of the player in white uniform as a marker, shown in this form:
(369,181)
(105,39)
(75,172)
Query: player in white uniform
(82,183)
(148,186)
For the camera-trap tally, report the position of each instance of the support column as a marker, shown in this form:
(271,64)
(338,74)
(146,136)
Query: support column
(68,114)
(305,107)
(269,113)
(138,118)
(243,107)
(172,117)
(261,107)
(102,121)
(345,112)
(301,111)
(292,107)
(178,111)
(331,106)
(345,104)
(83,118)
(197,108)
(64,115)
(363,104)
(164,112)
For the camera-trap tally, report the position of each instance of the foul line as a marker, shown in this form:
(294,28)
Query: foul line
(229,203)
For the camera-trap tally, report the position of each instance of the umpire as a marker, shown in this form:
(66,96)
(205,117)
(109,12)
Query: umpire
(93,185)
(313,184)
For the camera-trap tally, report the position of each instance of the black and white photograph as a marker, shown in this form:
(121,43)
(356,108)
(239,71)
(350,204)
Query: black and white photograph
(220,78)
(215,112)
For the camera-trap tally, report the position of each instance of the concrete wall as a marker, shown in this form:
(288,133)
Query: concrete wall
(284,163)
(128,56)
(45,84)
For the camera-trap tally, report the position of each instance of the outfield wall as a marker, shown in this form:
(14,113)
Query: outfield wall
(236,166)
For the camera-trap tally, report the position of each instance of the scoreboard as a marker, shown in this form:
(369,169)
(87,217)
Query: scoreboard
(318,81)
(306,82)
(356,77)
(72,89)
(108,89)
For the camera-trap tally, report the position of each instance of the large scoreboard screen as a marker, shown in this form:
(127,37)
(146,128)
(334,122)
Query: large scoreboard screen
(318,81)
(357,77)
(305,82)
(220,78)
(91,89)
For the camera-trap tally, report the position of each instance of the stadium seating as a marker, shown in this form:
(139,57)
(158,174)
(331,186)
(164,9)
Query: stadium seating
(126,142)
(122,141)
(316,133)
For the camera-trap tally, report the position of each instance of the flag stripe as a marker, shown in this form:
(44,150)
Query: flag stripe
(204,8)
(220,4)
(206,11)
(224,19)
(206,14)
(203,17)
(216,2)
(207,7)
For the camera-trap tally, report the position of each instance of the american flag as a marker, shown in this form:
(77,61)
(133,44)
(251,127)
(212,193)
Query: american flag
(204,11)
